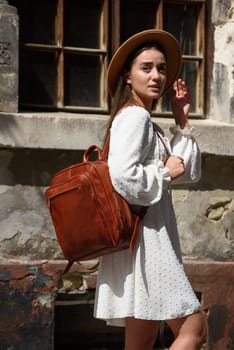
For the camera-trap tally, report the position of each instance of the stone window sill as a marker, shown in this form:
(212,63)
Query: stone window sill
(77,132)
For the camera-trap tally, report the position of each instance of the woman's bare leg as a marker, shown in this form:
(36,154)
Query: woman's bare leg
(140,334)
(190,332)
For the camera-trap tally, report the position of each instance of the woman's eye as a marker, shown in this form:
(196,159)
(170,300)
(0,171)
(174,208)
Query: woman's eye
(146,68)
(162,69)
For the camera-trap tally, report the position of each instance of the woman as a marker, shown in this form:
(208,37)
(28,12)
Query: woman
(139,290)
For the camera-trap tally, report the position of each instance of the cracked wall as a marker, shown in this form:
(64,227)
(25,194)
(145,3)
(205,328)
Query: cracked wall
(205,213)
(204,210)
(26,230)
(222,87)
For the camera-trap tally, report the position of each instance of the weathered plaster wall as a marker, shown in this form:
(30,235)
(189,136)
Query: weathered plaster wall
(205,214)
(26,230)
(222,88)
(9,52)
(204,210)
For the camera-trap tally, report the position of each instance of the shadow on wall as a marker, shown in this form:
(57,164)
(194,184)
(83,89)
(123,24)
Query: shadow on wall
(217,173)
(35,167)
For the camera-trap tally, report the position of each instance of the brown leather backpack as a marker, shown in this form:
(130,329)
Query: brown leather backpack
(90,218)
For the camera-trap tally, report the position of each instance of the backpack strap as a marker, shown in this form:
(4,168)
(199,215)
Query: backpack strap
(160,135)
(106,146)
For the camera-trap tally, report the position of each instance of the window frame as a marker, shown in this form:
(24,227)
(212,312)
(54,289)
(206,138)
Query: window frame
(110,39)
(60,50)
(199,58)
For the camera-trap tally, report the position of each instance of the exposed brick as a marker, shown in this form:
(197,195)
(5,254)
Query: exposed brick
(28,293)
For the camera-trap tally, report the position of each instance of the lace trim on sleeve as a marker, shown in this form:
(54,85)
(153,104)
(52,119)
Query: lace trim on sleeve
(192,132)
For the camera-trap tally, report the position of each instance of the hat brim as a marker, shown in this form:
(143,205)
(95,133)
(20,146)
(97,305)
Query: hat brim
(167,42)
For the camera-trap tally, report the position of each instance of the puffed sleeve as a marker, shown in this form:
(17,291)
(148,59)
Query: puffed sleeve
(183,144)
(138,177)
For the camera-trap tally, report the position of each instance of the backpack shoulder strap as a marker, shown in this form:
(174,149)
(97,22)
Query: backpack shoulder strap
(106,146)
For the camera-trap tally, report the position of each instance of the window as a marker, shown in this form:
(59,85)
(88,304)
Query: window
(65,46)
(186,21)
(63,54)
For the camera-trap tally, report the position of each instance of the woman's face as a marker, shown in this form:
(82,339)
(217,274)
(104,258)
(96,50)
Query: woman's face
(147,76)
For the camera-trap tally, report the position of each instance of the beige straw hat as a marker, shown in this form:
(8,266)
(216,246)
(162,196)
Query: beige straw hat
(166,41)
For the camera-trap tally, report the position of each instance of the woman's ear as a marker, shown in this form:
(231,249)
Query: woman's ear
(127,78)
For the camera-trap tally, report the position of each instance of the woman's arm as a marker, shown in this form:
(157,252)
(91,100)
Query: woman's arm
(135,173)
(183,144)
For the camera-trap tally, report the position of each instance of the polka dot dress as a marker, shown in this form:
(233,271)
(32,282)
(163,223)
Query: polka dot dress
(149,284)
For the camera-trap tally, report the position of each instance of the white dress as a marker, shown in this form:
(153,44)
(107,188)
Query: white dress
(149,284)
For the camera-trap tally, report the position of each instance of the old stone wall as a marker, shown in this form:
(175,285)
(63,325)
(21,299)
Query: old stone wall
(25,225)
(9,52)
(205,213)
(222,87)
(204,210)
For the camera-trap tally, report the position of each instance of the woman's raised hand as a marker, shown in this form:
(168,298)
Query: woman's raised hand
(180,103)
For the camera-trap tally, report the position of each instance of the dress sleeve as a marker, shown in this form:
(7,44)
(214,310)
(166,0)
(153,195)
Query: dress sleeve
(183,144)
(135,175)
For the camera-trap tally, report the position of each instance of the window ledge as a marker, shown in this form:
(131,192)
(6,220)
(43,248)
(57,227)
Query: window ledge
(75,131)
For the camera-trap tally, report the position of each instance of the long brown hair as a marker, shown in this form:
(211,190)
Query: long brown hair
(123,93)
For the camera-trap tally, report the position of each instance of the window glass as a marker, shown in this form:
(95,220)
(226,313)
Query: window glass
(181,20)
(82,23)
(136,15)
(82,80)
(37,21)
(38,78)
